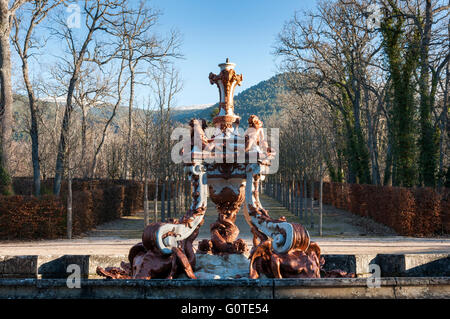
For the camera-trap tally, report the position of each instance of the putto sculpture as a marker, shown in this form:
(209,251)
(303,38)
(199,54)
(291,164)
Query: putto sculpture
(230,166)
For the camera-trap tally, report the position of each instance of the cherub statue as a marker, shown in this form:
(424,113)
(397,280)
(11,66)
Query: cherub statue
(255,135)
(198,127)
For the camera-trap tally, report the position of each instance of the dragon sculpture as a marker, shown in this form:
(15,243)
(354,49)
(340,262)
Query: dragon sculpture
(166,250)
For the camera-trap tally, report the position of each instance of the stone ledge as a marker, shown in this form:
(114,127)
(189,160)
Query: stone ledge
(392,287)
(391,265)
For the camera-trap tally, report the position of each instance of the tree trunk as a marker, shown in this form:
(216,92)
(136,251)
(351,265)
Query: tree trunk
(69,206)
(130,122)
(387,179)
(428,147)
(372,142)
(292,196)
(155,202)
(146,200)
(83,141)
(6,104)
(163,201)
(402,62)
(312,204)
(443,126)
(34,132)
(62,146)
(169,198)
(305,199)
(302,191)
(320,204)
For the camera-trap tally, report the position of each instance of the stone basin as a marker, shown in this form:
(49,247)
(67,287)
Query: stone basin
(389,288)
(402,276)
(231,266)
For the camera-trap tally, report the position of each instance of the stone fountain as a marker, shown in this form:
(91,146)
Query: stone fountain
(229,165)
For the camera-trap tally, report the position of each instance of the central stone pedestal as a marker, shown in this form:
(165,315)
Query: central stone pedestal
(227,191)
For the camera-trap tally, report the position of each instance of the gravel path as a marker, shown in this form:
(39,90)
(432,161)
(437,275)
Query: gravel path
(336,223)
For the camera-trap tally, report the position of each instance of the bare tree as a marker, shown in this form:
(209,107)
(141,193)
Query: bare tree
(25,48)
(100,15)
(141,46)
(146,133)
(121,84)
(7,12)
(335,51)
(166,84)
(89,94)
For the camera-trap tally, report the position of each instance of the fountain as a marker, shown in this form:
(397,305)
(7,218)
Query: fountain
(231,164)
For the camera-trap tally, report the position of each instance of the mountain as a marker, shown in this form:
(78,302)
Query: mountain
(260,99)
(193,107)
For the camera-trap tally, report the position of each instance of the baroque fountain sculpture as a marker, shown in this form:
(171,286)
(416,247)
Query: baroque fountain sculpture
(229,166)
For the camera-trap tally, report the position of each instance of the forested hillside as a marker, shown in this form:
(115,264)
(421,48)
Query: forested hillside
(260,99)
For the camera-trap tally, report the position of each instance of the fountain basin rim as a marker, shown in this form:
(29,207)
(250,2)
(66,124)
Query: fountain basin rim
(241,282)
(187,289)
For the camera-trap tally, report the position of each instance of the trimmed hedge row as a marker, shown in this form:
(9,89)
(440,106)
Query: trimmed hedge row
(133,190)
(28,217)
(409,211)
(24,216)
(91,208)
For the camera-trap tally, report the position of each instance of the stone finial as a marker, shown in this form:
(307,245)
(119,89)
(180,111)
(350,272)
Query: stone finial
(226,81)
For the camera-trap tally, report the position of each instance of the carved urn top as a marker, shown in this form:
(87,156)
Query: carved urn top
(227,65)
(226,81)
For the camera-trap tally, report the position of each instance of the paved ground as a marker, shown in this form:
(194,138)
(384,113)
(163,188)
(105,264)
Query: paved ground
(343,233)
(115,246)
(336,223)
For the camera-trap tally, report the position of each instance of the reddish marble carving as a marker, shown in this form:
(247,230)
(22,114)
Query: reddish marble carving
(146,260)
(280,249)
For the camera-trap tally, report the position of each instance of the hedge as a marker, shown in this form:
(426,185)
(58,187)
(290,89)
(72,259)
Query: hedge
(133,190)
(28,217)
(93,202)
(409,211)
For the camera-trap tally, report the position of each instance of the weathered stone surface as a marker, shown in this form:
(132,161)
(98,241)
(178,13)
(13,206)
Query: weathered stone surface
(18,266)
(51,266)
(81,260)
(227,266)
(427,264)
(429,287)
(362,265)
(54,266)
(205,275)
(391,264)
(104,261)
(393,287)
(343,262)
(413,265)
(333,288)
(199,289)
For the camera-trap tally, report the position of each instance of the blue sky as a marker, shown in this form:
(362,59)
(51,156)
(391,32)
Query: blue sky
(244,31)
